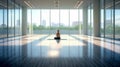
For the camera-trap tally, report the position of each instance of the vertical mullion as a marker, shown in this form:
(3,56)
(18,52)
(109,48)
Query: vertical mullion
(69,21)
(3,31)
(14,28)
(104,25)
(59,18)
(7,18)
(14,18)
(40,18)
(11,22)
(7,29)
(90,20)
(19,20)
(114,27)
(69,33)
(104,19)
(31,22)
(114,20)
(79,22)
(31,28)
(40,32)
(78,30)
(50,22)
(111,9)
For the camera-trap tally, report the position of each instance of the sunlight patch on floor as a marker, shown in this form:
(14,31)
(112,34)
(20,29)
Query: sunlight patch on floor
(53,53)
(66,40)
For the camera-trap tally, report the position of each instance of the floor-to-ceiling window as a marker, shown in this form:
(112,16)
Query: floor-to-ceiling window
(1,22)
(20,14)
(54,20)
(109,19)
(117,21)
(74,22)
(29,21)
(35,21)
(17,21)
(102,3)
(13,21)
(5,23)
(80,16)
(10,19)
(47,21)
(90,19)
(64,21)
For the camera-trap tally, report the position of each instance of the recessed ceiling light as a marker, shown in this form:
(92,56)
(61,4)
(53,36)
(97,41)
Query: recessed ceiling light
(28,4)
(78,4)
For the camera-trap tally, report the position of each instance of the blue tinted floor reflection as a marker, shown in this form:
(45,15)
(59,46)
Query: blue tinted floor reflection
(74,51)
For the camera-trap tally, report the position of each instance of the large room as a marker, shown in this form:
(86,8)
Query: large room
(59,33)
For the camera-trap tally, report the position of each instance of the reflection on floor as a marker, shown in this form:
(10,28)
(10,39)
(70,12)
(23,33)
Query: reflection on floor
(70,51)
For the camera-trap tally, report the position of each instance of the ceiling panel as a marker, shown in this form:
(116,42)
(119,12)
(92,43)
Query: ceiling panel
(49,4)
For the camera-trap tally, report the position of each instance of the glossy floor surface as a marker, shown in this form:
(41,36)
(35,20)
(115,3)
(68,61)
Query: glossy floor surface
(70,51)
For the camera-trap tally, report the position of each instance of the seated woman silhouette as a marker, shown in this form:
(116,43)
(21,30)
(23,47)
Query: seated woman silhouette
(57,35)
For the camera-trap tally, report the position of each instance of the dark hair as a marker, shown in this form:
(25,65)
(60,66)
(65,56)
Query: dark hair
(57,30)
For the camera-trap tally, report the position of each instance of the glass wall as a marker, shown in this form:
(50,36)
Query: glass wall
(54,20)
(20,14)
(17,21)
(1,22)
(29,21)
(5,23)
(110,17)
(90,19)
(35,21)
(64,21)
(80,18)
(74,22)
(117,21)
(47,21)
(102,18)
(9,19)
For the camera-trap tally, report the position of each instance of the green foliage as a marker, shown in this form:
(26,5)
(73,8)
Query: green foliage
(109,29)
(35,27)
(117,29)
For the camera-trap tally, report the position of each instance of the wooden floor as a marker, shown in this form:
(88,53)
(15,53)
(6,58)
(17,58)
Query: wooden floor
(70,51)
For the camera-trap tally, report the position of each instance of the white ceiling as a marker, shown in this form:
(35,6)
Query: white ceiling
(49,4)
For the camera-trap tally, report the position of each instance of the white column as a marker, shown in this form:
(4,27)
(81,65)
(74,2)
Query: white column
(24,21)
(96,14)
(85,20)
